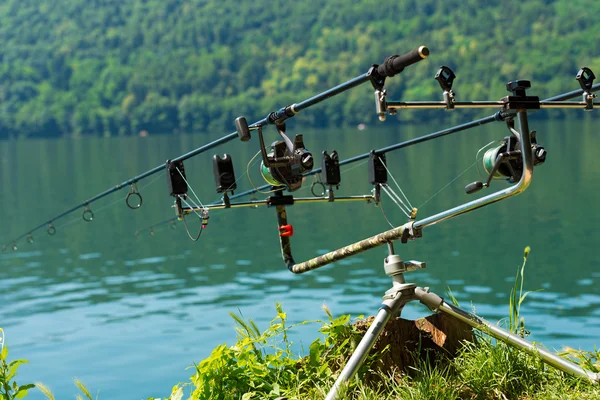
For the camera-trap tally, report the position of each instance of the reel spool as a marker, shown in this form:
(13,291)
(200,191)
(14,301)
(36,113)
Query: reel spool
(511,168)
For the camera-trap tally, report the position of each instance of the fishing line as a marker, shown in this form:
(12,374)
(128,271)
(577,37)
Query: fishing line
(384,215)
(187,229)
(190,186)
(94,213)
(449,183)
(396,199)
(394,179)
(356,166)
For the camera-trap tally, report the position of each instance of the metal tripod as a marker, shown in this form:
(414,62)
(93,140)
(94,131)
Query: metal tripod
(401,293)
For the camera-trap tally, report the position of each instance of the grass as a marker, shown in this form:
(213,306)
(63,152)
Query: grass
(262,365)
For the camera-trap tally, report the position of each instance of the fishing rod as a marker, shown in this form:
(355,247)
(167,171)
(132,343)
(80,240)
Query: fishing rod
(376,75)
(445,78)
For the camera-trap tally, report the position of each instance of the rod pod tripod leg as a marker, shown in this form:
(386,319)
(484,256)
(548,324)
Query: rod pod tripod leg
(401,293)
(393,301)
(436,304)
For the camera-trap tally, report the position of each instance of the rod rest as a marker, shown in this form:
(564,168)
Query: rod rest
(404,232)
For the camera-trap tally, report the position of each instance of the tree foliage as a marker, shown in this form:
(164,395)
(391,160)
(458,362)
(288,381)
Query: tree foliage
(109,67)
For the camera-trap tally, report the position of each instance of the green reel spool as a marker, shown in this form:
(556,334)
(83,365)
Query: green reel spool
(489,160)
(266,174)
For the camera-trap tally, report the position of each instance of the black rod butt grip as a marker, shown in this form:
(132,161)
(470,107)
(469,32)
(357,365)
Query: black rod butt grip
(243,131)
(395,64)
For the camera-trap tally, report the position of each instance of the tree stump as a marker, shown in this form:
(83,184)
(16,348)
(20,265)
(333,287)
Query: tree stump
(434,339)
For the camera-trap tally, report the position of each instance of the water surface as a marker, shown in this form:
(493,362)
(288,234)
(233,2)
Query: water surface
(127,314)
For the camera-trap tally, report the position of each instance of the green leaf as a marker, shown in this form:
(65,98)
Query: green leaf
(275,390)
(316,349)
(26,387)
(21,393)
(17,362)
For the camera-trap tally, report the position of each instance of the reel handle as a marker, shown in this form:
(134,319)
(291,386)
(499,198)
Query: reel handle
(395,64)
(474,187)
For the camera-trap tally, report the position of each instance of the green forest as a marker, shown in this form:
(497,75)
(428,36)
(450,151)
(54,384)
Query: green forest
(119,67)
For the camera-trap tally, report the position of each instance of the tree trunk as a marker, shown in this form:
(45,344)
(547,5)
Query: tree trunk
(433,339)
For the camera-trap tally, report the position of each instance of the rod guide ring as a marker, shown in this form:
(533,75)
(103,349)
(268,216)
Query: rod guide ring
(133,192)
(87,215)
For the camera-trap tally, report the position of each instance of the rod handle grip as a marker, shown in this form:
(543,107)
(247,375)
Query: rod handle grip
(395,64)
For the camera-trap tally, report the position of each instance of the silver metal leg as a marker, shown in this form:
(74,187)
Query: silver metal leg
(395,299)
(437,304)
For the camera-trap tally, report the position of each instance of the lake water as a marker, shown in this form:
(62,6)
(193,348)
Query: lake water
(128,314)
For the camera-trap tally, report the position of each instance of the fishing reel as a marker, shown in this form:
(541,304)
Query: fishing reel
(505,161)
(286,161)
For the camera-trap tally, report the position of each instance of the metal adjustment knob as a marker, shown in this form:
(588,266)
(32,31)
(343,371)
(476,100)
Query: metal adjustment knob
(393,265)
(518,87)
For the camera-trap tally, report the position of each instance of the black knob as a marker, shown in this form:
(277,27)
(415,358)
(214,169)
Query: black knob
(307,161)
(518,87)
(540,154)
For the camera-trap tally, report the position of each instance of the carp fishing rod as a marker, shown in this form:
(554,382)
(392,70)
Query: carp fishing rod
(376,75)
(445,77)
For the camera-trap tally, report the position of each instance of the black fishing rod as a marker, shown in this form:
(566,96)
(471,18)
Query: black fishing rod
(376,74)
(496,117)
(499,116)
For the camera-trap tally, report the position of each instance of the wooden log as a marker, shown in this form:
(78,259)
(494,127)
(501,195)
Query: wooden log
(436,338)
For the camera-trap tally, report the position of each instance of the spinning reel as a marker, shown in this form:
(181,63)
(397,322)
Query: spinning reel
(506,161)
(286,162)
